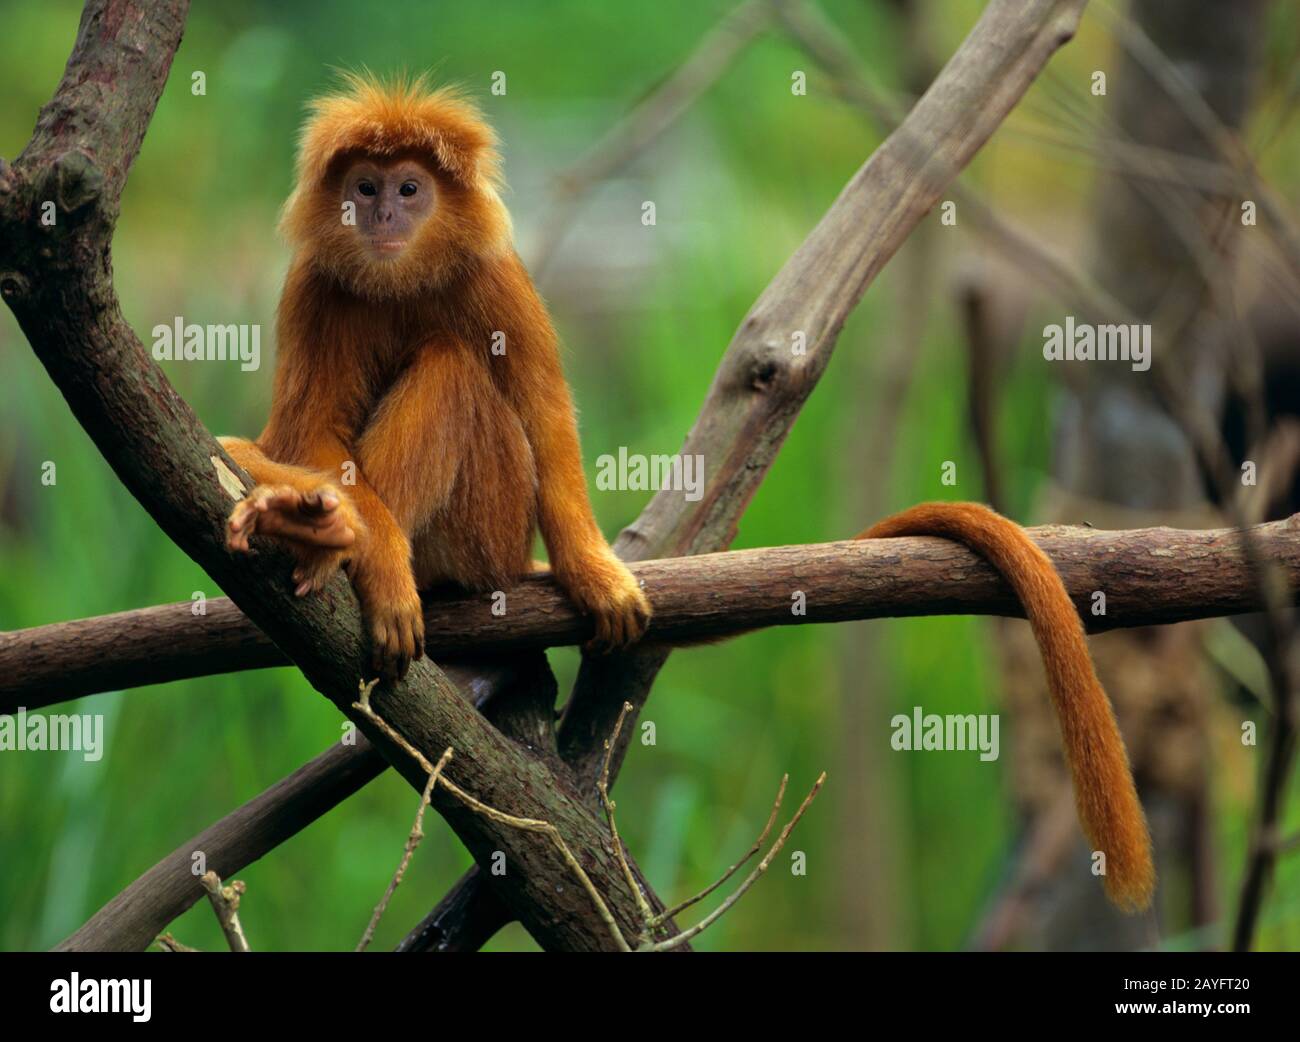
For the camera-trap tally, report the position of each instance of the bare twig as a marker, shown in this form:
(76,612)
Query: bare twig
(681,906)
(750,880)
(412,841)
(647,915)
(526,824)
(647,122)
(1224,141)
(168,943)
(225,902)
(654,923)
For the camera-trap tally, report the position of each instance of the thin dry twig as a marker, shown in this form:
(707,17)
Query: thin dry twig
(655,923)
(647,914)
(750,880)
(412,841)
(168,943)
(225,902)
(1199,112)
(648,121)
(673,912)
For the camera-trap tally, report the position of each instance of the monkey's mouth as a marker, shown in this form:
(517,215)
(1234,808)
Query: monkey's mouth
(388,245)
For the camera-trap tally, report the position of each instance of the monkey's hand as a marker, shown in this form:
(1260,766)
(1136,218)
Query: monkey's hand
(602,587)
(318,525)
(382,577)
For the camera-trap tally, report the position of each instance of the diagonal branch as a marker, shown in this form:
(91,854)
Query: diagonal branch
(134,916)
(58,282)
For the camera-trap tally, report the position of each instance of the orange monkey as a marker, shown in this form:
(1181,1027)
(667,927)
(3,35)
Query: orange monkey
(421,428)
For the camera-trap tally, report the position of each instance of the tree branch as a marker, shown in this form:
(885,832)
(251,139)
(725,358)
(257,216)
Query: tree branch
(1150,576)
(652,116)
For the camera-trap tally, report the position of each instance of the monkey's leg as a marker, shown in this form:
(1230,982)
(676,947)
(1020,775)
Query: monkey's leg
(482,537)
(408,458)
(297,505)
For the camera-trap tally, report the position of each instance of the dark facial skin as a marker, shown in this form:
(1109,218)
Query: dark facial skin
(392,200)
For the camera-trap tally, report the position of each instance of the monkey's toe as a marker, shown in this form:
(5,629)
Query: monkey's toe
(314,571)
(620,622)
(245,519)
(396,639)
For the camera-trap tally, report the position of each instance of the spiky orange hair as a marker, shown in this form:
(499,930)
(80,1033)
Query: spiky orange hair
(399,118)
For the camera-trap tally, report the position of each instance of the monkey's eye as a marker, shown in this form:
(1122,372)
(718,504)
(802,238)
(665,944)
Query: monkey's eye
(409,188)
(366,188)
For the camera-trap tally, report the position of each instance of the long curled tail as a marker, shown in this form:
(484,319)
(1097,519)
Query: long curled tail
(1104,793)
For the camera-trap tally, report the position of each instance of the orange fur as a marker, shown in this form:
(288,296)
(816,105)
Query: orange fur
(459,453)
(1105,795)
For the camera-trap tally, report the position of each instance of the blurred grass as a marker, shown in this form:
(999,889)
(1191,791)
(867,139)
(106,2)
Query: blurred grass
(738,184)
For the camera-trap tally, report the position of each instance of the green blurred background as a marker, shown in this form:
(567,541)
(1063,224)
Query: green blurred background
(645,315)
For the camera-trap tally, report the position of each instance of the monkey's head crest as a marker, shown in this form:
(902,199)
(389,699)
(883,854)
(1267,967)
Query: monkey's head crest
(388,122)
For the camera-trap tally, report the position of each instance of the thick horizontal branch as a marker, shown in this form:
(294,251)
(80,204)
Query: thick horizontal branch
(1149,576)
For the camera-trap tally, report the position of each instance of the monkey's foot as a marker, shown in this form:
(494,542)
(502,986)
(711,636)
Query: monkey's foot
(391,607)
(396,634)
(604,589)
(319,518)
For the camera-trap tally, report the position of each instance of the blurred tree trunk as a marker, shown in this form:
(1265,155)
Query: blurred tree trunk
(1165,252)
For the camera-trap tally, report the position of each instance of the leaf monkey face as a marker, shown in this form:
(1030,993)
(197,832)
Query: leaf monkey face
(415,172)
(390,202)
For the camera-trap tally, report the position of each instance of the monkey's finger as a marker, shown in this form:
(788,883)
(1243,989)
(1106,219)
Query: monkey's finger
(378,641)
(395,656)
(319,502)
(237,532)
(407,642)
(241,517)
(329,531)
(600,643)
(417,633)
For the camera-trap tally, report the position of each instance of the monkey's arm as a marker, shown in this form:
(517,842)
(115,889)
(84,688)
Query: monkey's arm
(582,561)
(308,425)
(296,504)
(596,580)
(1104,792)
